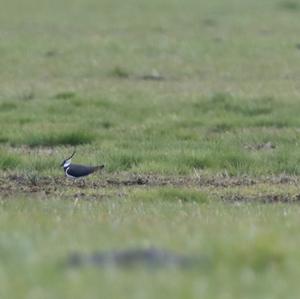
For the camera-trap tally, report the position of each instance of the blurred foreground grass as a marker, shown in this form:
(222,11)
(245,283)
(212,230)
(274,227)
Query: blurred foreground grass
(252,249)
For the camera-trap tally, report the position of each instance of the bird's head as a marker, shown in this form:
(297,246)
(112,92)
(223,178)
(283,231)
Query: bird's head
(67,162)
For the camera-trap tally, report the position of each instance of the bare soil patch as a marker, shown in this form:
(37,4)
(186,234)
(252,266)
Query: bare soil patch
(265,198)
(90,188)
(17,180)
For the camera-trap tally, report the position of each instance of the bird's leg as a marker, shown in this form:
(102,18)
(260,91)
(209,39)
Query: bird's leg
(81,183)
(75,183)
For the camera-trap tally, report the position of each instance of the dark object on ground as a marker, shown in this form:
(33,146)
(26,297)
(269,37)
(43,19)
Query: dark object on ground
(51,53)
(130,182)
(261,146)
(154,75)
(150,258)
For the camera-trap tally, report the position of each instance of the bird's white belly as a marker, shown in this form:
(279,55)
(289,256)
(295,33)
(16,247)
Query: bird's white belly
(68,175)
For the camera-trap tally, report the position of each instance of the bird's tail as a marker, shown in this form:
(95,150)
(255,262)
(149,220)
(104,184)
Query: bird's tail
(98,167)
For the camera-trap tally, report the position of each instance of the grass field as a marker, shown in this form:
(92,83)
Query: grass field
(193,107)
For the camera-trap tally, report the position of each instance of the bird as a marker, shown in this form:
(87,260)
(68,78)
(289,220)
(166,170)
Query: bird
(76,170)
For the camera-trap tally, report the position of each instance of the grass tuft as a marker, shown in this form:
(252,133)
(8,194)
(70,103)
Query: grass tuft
(4,139)
(222,102)
(221,127)
(32,177)
(197,161)
(119,72)
(42,164)
(171,194)
(124,161)
(56,139)
(9,161)
(27,95)
(266,253)
(106,124)
(65,95)
(235,163)
(7,106)
(290,5)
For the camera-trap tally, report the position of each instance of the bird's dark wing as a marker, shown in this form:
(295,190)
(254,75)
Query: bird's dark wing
(77,170)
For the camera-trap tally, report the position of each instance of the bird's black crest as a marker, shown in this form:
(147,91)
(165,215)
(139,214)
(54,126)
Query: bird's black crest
(74,152)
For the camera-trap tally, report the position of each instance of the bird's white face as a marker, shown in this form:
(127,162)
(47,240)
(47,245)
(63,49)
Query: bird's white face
(67,163)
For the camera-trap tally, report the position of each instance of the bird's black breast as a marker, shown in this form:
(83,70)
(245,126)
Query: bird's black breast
(76,170)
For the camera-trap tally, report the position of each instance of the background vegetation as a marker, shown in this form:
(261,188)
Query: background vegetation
(199,100)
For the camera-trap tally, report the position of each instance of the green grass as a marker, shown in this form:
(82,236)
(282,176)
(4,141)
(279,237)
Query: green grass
(171,194)
(230,74)
(136,130)
(249,248)
(8,161)
(54,139)
(73,75)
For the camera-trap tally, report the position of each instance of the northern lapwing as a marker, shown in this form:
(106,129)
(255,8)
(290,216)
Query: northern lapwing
(75,170)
